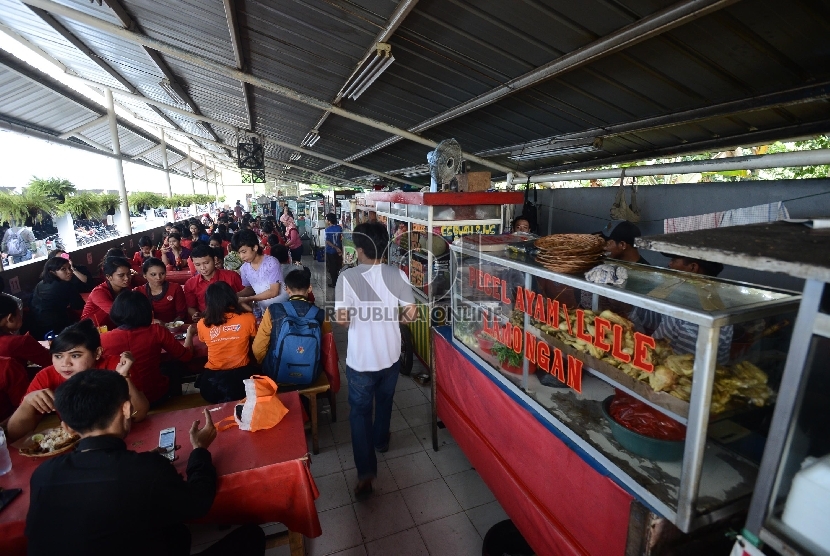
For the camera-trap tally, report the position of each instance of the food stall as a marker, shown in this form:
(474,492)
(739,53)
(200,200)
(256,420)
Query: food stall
(420,225)
(562,389)
(791,499)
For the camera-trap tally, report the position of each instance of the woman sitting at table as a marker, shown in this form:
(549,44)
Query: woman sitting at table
(184,231)
(175,255)
(261,274)
(81,276)
(227,329)
(198,232)
(145,251)
(53,298)
(116,280)
(20,347)
(137,334)
(76,349)
(169,303)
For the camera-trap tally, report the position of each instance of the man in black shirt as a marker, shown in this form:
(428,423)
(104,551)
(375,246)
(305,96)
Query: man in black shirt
(104,499)
(620,243)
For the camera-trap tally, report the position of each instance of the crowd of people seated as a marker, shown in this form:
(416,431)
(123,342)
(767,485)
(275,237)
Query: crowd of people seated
(102,350)
(122,326)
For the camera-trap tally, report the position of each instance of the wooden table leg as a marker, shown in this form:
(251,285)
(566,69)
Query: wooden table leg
(296,543)
(315,444)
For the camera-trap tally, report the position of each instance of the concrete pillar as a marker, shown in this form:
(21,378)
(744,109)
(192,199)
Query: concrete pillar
(165,164)
(66,229)
(124,226)
(205,169)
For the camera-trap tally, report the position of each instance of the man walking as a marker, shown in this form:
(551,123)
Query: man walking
(334,248)
(372,298)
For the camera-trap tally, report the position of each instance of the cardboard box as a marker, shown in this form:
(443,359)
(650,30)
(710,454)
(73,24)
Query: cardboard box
(473,181)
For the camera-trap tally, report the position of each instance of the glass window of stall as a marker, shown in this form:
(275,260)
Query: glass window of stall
(620,377)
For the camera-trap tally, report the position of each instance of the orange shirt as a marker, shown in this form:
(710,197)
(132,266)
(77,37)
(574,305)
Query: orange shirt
(228,344)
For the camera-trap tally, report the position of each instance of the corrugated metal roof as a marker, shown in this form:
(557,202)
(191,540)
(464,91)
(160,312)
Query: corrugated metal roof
(449,51)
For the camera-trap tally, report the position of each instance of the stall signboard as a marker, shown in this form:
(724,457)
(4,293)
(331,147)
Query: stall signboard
(608,336)
(452,232)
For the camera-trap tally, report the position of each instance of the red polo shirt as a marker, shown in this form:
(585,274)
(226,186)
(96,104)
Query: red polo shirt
(24,348)
(98,306)
(13,385)
(146,343)
(48,377)
(171,306)
(194,288)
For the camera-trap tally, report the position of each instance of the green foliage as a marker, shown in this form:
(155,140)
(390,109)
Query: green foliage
(56,188)
(82,204)
(144,200)
(504,353)
(109,201)
(203,199)
(820,142)
(12,208)
(180,200)
(37,203)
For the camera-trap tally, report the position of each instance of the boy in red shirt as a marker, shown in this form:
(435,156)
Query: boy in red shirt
(204,260)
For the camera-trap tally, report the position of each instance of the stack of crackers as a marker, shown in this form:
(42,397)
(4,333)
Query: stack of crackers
(570,253)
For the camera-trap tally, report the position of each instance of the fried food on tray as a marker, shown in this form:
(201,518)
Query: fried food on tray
(49,441)
(741,383)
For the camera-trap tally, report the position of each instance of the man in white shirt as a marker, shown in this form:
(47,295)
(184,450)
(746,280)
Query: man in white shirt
(372,298)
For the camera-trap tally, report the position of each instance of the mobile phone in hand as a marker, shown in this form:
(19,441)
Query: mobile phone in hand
(167,443)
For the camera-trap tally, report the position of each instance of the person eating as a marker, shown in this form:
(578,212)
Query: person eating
(20,347)
(204,261)
(261,275)
(75,350)
(137,333)
(175,254)
(117,277)
(169,303)
(620,243)
(145,251)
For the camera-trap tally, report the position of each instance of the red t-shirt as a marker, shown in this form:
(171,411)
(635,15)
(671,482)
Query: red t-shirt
(138,259)
(24,348)
(98,306)
(13,385)
(171,307)
(195,288)
(48,377)
(145,343)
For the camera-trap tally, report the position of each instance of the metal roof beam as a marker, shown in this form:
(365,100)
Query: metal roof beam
(637,32)
(266,84)
(144,153)
(265,139)
(83,127)
(37,76)
(755,162)
(131,24)
(32,131)
(797,95)
(239,58)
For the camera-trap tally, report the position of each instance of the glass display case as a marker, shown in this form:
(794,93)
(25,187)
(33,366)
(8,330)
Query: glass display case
(421,226)
(666,381)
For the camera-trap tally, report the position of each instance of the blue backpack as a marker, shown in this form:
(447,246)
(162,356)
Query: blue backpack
(297,348)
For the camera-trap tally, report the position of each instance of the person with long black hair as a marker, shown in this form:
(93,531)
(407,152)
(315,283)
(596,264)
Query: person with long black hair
(75,350)
(116,280)
(53,297)
(227,329)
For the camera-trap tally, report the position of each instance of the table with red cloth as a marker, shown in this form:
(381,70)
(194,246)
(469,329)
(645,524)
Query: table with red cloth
(263,476)
(175,276)
(560,503)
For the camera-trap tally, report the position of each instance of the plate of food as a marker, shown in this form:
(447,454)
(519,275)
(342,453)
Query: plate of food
(48,443)
(175,326)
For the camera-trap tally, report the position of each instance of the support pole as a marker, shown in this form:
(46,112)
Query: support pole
(165,164)
(190,170)
(205,169)
(125,227)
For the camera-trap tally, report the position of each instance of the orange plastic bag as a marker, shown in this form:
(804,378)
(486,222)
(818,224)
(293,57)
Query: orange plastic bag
(261,409)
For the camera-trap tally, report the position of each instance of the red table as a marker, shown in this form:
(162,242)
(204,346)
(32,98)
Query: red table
(263,476)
